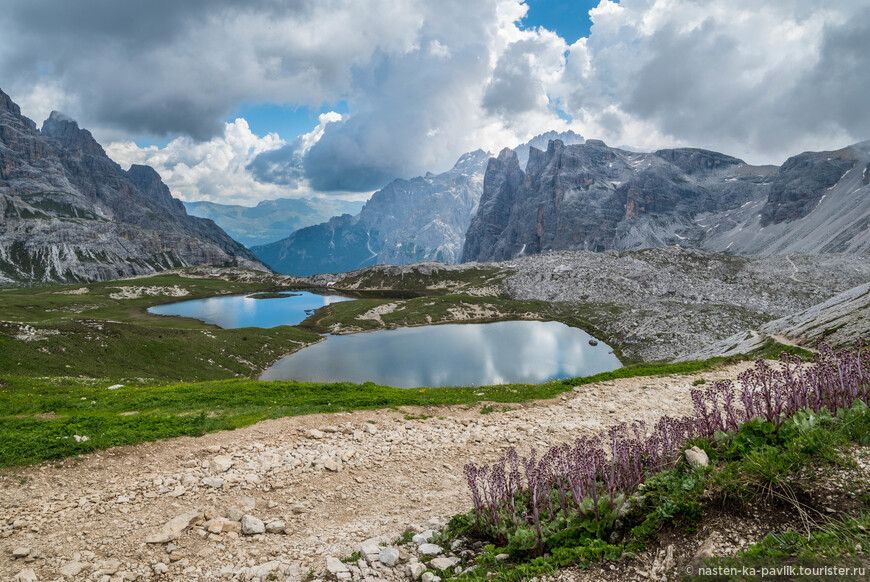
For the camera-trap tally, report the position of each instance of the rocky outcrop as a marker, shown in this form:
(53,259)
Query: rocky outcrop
(801,183)
(405,222)
(70,213)
(593,197)
(818,203)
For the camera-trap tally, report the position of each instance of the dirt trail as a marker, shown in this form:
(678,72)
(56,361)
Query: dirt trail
(356,476)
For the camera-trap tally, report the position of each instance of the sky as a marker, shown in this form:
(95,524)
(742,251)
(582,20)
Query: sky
(240,102)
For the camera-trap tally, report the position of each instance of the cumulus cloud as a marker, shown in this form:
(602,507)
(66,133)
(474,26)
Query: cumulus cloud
(757,80)
(284,165)
(166,67)
(212,170)
(426,81)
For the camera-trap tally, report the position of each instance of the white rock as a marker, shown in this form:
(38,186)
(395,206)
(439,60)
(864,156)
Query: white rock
(697,457)
(264,570)
(73,569)
(335,566)
(276,527)
(429,549)
(430,577)
(251,525)
(160,568)
(416,570)
(442,563)
(389,556)
(315,434)
(174,528)
(423,537)
(370,552)
(26,575)
(21,552)
(215,482)
(234,514)
(221,463)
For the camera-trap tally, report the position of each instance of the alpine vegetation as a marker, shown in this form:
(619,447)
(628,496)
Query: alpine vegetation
(578,491)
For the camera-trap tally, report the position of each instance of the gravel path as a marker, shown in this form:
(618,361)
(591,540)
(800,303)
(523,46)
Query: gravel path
(333,480)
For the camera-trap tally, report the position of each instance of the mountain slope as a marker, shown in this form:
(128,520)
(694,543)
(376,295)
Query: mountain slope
(405,222)
(593,197)
(271,220)
(72,214)
(819,202)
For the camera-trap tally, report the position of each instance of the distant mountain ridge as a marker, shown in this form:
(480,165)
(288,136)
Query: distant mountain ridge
(407,221)
(72,214)
(271,220)
(593,197)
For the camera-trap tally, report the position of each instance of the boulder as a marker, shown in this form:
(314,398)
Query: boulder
(697,457)
(251,525)
(389,556)
(429,549)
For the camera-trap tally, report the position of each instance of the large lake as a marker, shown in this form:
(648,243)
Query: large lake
(450,355)
(236,311)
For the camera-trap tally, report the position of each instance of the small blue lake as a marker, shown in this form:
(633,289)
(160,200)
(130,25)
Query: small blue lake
(450,355)
(236,311)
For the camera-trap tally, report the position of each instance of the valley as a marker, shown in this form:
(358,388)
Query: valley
(570,287)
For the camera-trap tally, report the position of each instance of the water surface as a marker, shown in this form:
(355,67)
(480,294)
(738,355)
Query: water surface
(243,311)
(450,355)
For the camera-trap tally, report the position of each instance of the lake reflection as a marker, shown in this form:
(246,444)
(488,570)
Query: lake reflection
(450,355)
(239,311)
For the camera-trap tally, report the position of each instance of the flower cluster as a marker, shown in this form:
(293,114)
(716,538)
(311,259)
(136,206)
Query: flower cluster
(592,476)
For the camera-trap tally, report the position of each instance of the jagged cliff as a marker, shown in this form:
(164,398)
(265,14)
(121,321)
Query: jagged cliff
(405,222)
(593,197)
(69,213)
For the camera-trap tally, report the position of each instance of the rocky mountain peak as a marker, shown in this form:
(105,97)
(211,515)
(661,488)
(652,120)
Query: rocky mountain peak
(541,142)
(65,130)
(469,162)
(555,145)
(72,214)
(148,181)
(7,104)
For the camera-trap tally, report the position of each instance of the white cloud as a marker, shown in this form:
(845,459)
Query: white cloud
(213,170)
(727,76)
(427,81)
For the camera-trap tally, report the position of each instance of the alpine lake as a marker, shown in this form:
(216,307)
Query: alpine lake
(462,354)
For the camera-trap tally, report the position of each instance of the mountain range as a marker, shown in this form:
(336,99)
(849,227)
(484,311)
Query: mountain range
(407,221)
(271,220)
(69,213)
(593,197)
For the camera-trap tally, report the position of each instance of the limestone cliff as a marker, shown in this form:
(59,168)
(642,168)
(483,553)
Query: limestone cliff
(69,213)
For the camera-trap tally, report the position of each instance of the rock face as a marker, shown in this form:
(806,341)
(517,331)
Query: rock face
(818,202)
(72,214)
(593,197)
(407,221)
